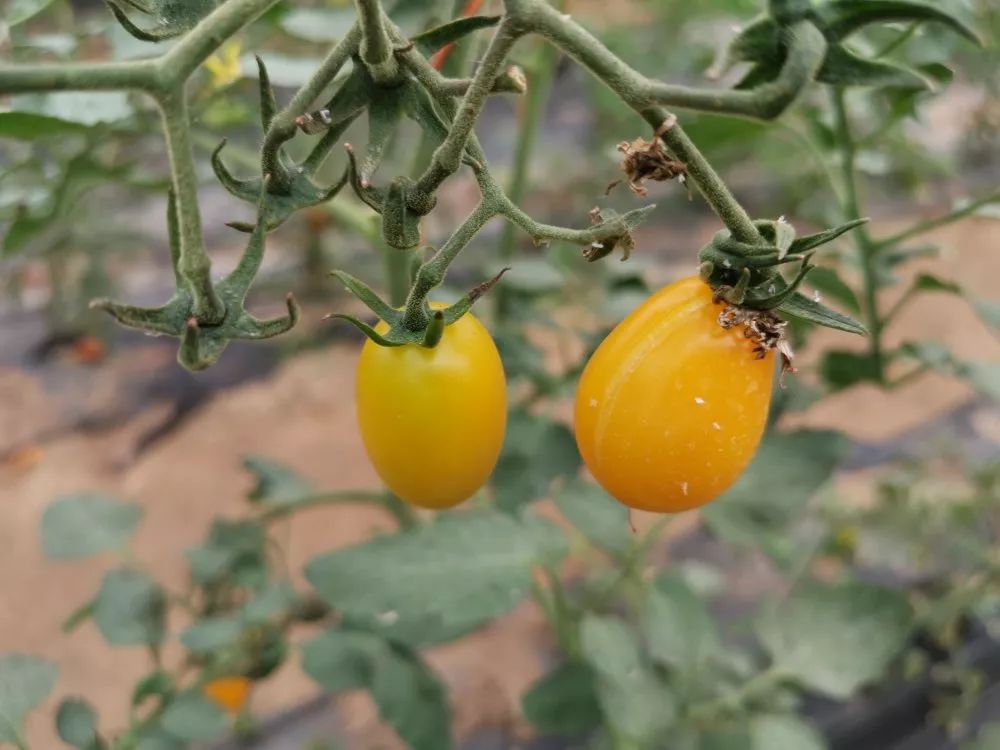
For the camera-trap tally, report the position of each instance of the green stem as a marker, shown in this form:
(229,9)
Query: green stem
(866,247)
(203,40)
(397,271)
(735,699)
(283,126)
(376,51)
(643,96)
(432,273)
(401,512)
(542,73)
(112,76)
(193,265)
(938,221)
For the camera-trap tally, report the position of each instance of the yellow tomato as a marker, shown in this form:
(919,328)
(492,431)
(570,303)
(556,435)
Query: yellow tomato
(432,420)
(671,407)
(230,693)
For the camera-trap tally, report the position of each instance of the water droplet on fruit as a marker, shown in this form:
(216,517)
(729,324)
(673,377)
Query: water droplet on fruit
(699,400)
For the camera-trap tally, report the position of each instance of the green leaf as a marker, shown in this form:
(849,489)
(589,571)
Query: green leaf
(157,739)
(828,282)
(835,639)
(989,311)
(27,126)
(841,370)
(563,702)
(408,695)
(84,612)
(25,681)
(841,67)
(80,107)
(536,450)
(679,628)
(534,276)
(130,608)
(597,516)
(276,483)
(20,11)
(432,40)
(234,551)
(276,599)
(194,718)
(477,563)
(926,282)
(211,634)
(784,732)
(79,526)
(635,703)
(984,376)
(788,468)
(800,306)
(76,723)
(843,17)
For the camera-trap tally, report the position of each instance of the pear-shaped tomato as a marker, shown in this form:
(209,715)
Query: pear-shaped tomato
(432,420)
(671,407)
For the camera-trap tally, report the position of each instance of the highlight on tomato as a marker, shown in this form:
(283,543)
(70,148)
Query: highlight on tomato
(432,419)
(672,405)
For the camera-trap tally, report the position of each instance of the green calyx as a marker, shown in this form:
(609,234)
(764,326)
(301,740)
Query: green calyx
(173,17)
(202,343)
(404,327)
(747,274)
(764,42)
(289,187)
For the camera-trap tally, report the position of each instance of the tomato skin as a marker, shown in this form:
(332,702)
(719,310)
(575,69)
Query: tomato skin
(229,693)
(432,420)
(671,407)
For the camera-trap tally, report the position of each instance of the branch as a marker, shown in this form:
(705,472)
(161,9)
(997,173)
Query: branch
(938,221)
(193,264)
(112,76)
(376,52)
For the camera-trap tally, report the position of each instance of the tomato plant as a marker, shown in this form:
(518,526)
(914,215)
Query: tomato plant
(432,419)
(671,406)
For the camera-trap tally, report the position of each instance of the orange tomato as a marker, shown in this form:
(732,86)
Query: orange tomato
(671,407)
(230,693)
(432,420)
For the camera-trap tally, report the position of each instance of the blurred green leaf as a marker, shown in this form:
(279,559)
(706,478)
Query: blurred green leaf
(130,608)
(788,469)
(536,450)
(679,628)
(926,282)
(597,516)
(564,701)
(784,732)
(408,695)
(234,551)
(211,634)
(19,11)
(29,126)
(318,24)
(79,526)
(635,703)
(276,483)
(194,718)
(835,638)
(841,369)
(81,107)
(534,276)
(156,683)
(25,681)
(76,723)
(478,565)
(989,311)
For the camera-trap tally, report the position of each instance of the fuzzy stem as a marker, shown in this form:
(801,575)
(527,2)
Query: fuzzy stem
(113,76)
(193,265)
(866,248)
(432,273)
(283,125)
(376,51)
(204,39)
